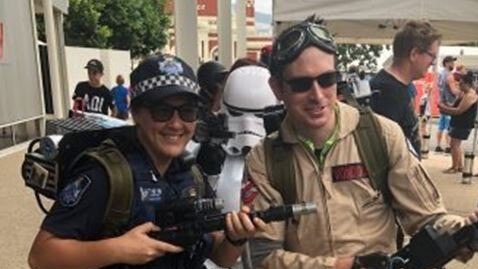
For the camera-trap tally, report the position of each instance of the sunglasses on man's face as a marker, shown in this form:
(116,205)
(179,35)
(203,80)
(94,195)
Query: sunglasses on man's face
(303,84)
(165,112)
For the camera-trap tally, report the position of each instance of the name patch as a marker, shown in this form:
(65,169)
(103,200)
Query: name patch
(248,192)
(348,172)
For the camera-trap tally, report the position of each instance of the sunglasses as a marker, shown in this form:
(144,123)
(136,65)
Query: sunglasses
(303,84)
(165,112)
(292,42)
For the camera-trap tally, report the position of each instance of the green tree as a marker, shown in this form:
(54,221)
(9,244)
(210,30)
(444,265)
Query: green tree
(359,55)
(139,26)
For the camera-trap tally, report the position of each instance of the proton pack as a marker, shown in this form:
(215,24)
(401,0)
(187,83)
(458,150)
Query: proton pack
(48,159)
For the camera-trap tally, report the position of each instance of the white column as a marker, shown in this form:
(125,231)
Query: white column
(185,31)
(224,30)
(53,59)
(63,80)
(241,28)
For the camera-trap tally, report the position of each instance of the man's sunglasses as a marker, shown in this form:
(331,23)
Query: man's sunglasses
(165,112)
(303,84)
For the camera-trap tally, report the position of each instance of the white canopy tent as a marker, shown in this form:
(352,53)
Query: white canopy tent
(376,21)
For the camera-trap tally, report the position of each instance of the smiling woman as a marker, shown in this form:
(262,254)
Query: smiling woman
(164,107)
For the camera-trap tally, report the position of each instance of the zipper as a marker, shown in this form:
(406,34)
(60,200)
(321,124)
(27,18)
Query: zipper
(319,171)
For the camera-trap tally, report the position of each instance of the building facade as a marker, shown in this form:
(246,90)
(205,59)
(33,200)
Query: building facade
(208,31)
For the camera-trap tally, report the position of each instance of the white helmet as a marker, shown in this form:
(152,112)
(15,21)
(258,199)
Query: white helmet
(246,94)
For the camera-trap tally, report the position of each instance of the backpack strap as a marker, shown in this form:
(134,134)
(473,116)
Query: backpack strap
(120,198)
(373,151)
(199,180)
(280,166)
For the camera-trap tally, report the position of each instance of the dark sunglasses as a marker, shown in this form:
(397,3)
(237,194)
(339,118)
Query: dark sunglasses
(292,42)
(165,112)
(303,84)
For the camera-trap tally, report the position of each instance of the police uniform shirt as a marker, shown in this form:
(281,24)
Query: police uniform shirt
(80,206)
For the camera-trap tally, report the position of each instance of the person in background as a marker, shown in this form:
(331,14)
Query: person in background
(245,62)
(415,48)
(463,114)
(120,98)
(448,91)
(211,78)
(424,108)
(265,57)
(92,96)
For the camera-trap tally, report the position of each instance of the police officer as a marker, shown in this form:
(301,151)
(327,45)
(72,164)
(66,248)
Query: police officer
(353,219)
(165,108)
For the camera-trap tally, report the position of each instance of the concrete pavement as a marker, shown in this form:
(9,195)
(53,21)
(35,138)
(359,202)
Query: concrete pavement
(20,216)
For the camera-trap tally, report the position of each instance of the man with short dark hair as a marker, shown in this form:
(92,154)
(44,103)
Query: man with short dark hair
(92,96)
(353,217)
(415,49)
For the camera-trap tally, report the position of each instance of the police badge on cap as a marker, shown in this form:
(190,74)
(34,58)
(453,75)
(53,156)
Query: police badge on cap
(161,76)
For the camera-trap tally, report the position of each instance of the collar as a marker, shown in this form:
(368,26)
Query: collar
(329,142)
(346,114)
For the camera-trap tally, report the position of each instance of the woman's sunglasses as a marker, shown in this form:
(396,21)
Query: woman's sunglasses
(165,112)
(303,84)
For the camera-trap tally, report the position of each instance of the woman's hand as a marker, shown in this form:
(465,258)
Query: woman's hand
(137,247)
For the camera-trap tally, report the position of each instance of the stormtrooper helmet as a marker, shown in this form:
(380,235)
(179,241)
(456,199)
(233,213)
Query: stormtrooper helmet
(246,94)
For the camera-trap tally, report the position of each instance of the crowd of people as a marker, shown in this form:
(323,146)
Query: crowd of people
(357,220)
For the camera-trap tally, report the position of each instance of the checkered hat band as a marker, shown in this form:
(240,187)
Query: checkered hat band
(164,80)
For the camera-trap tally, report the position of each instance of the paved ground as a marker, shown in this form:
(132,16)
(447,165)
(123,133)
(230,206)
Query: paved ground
(20,217)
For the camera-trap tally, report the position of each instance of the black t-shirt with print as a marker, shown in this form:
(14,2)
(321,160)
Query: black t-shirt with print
(96,99)
(392,100)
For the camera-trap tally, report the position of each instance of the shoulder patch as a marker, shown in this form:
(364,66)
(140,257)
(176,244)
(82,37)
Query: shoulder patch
(72,193)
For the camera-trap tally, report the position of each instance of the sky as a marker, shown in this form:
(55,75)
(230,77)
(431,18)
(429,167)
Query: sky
(264,6)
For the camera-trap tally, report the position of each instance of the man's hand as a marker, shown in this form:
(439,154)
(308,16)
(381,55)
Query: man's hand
(137,247)
(239,226)
(466,254)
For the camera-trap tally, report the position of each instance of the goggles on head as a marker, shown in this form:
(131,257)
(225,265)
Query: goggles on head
(293,41)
